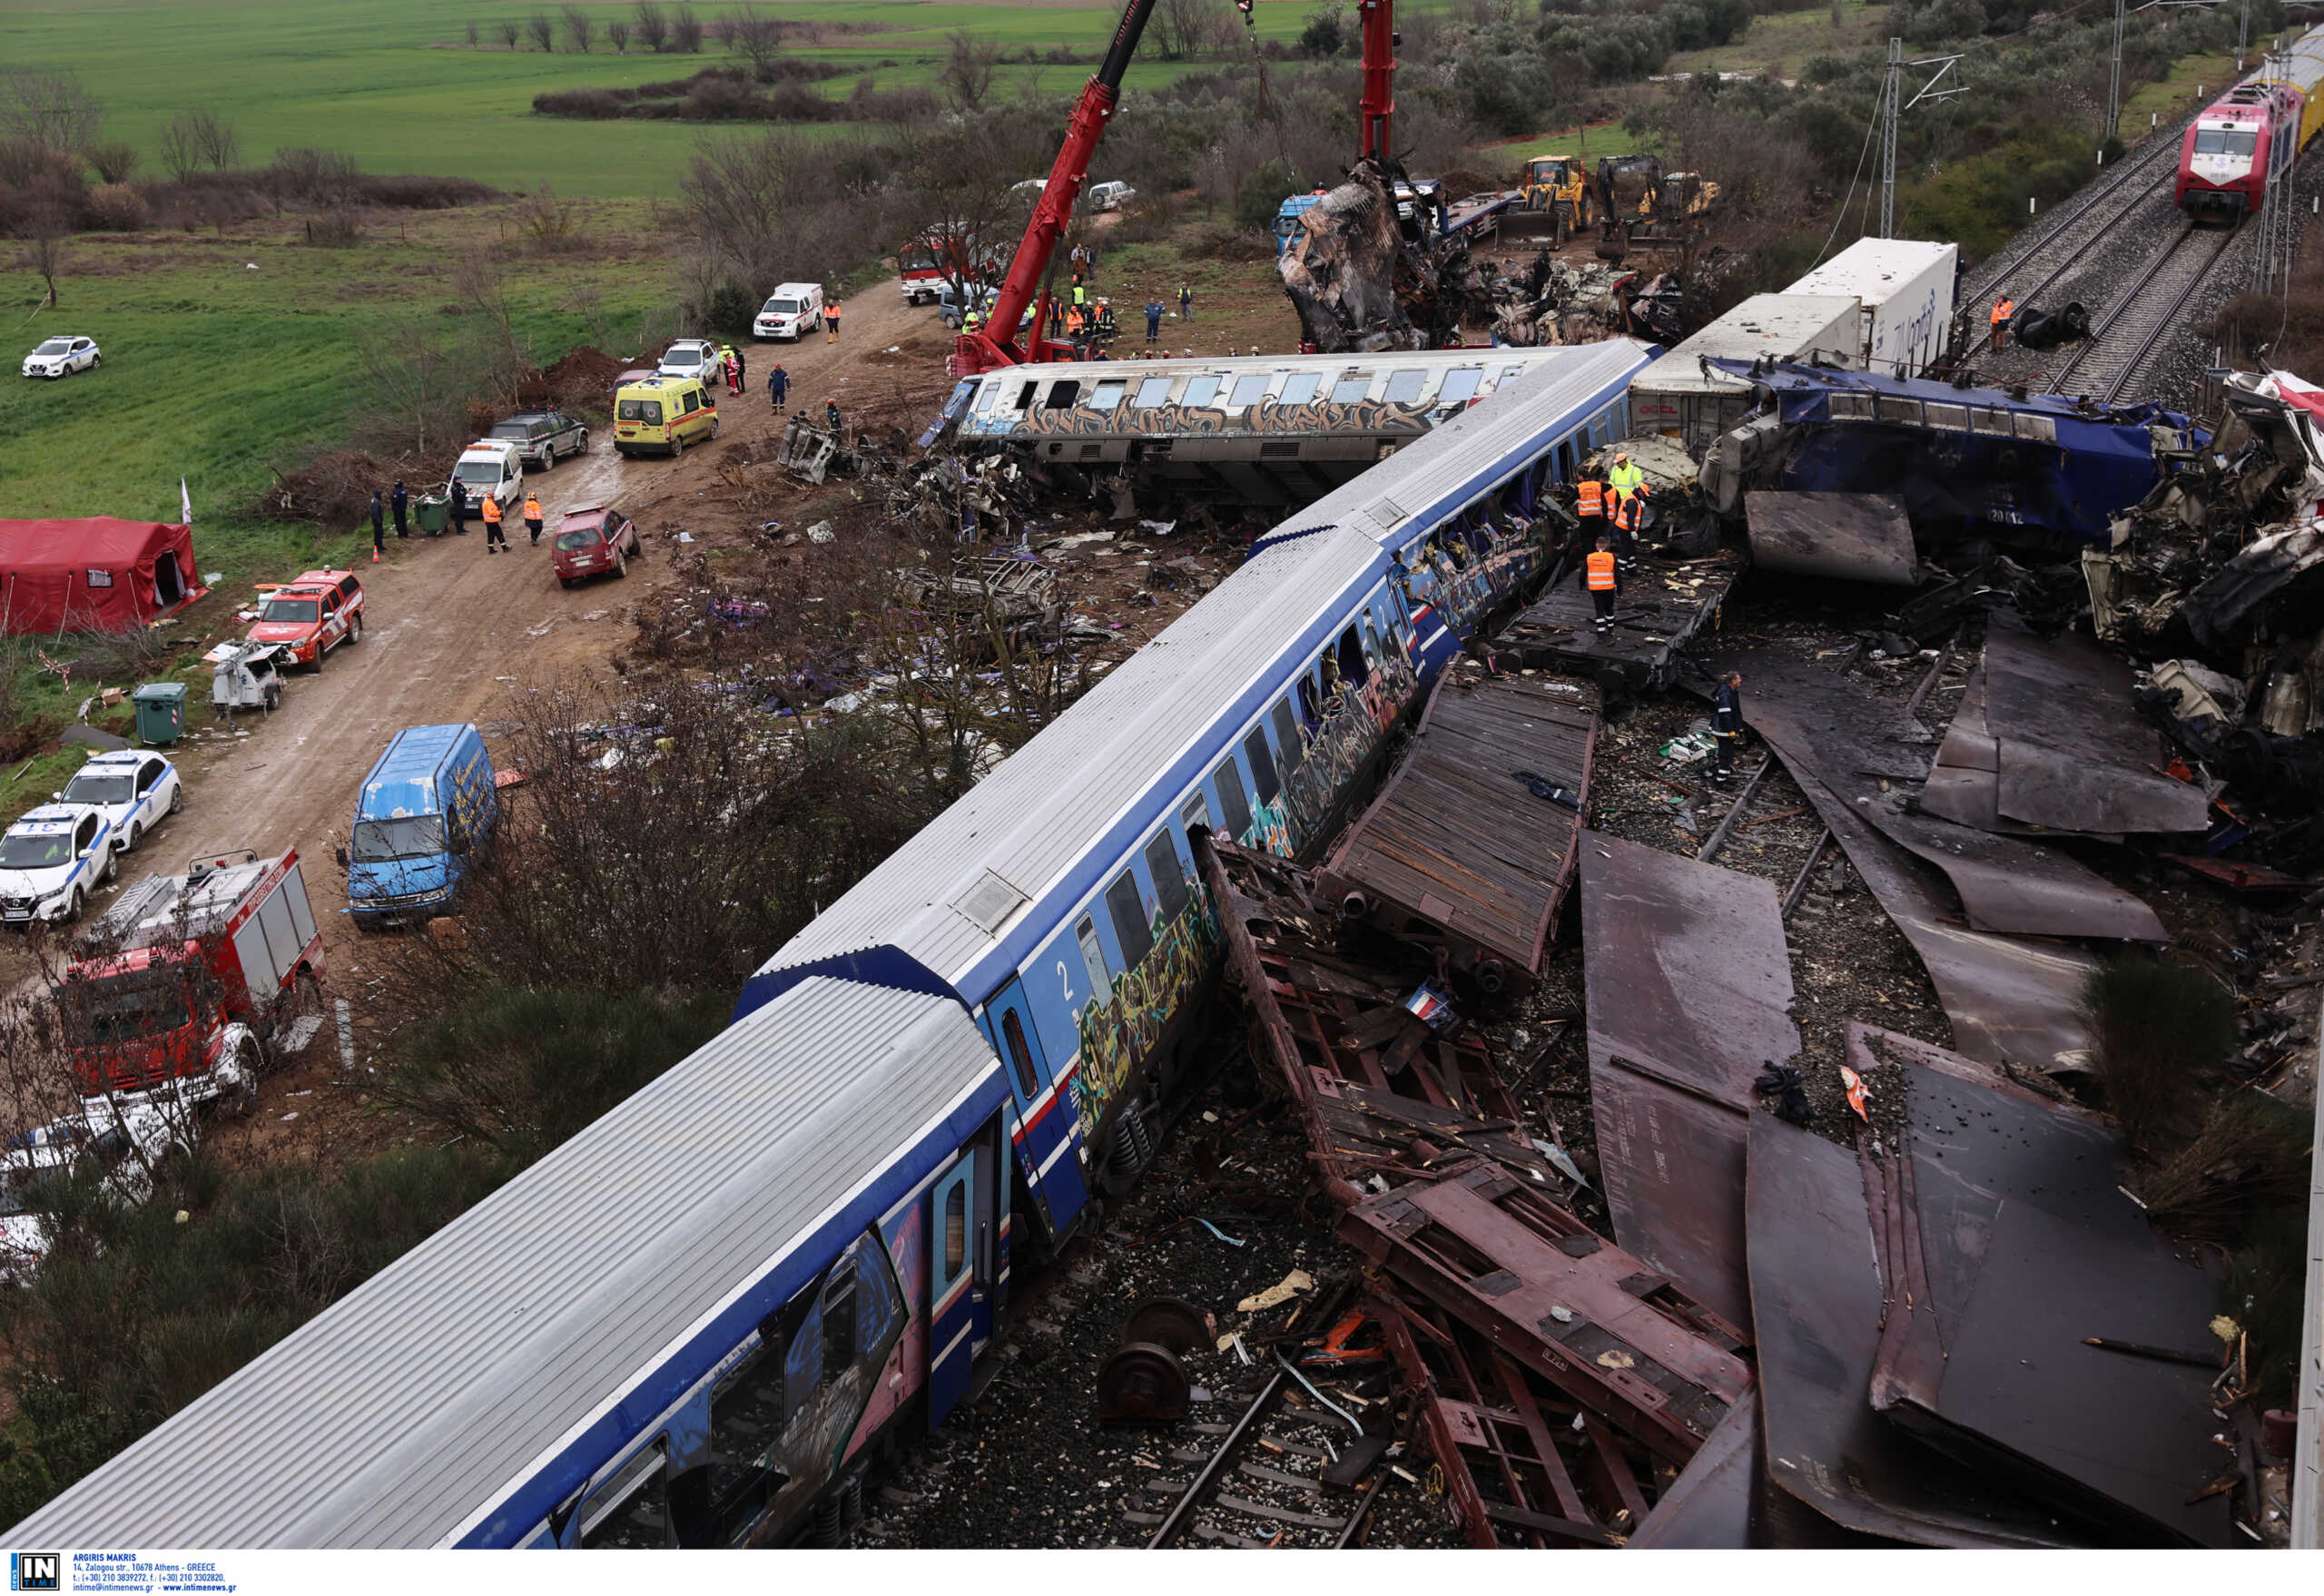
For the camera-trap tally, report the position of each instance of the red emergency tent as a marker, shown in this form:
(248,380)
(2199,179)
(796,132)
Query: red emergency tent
(92,575)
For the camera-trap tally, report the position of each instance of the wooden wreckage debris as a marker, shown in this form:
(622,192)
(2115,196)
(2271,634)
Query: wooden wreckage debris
(1560,1380)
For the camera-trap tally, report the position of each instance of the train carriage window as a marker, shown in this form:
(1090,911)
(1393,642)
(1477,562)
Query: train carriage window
(1309,702)
(802,1361)
(1300,387)
(1403,386)
(1460,385)
(839,1319)
(956,1229)
(1170,875)
(1025,396)
(879,1294)
(1201,390)
(1286,737)
(1249,389)
(1153,391)
(1989,422)
(1133,926)
(1020,1057)
(1233,804)
(990,396)
(1194,815)
(1352,666)
(1062,394)
(1351,389)
(632,1509)
(1262,777)
(1093,961)
(1108,396)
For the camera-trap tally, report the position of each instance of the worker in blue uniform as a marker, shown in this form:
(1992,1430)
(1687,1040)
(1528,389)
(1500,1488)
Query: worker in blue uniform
(1726,724)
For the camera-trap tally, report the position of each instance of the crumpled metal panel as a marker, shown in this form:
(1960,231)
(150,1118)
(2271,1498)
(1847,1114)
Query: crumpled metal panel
(1858,537)
(2005,1240)
(1824,724)
(1688,973)
(1816,1306)
(1672,1164)
(2073,753)
(1713,1504)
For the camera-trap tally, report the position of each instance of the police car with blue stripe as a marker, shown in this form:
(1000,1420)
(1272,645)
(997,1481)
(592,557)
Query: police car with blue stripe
(52,860)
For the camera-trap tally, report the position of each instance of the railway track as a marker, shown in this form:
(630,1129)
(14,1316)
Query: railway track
(2119,342)
(1260,1482)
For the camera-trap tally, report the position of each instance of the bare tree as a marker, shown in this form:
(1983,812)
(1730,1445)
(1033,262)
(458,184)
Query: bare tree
(114,160)
(198,140)
(1182,29)
(756,38)
(48,108)
(617,34)
(543,29)
(652,26)
(685,31)
(499,352)
(580,28)
(45,225)
(474,33)
(967,73)
(418,382)
(510,31)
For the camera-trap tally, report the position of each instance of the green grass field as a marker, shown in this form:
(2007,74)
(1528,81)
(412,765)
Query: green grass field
(393,83)
(218,373)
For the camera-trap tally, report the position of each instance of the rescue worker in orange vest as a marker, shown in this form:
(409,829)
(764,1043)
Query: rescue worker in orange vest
(1598,575)
(1627,521)
(533,516)
(2003,309)
(492,532)
(830,322)
(1589,503)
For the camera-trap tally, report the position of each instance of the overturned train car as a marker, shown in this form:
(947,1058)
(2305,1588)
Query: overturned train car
(698,1321)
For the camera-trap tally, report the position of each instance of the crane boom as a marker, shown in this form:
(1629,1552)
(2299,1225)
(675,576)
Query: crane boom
(996,343)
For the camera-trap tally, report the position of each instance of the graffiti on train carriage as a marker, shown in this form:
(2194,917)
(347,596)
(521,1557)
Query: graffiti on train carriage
(776,1424)
(1118,1030)
(1357,722)
(1315,416)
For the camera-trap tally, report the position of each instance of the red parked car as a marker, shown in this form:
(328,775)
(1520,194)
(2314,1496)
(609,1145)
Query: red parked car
(312,616)
(591,542)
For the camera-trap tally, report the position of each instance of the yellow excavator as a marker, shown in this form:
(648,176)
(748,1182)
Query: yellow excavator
(1557,189)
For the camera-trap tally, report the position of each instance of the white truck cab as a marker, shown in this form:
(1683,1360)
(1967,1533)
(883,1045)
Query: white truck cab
(490,467)
(792,312)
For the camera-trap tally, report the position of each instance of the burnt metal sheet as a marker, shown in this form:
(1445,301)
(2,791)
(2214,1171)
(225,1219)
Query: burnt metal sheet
(1380,1092)
(1659,610)
(1815,1307)
(2005,1239)
(2008,997)
(1858,536)
(1458,852)
(1590,1318)
(1524,1465)
(2072,752)
(1688,974)
(1820,721)
(1964,784)
(1672,1164)
(1713,1504)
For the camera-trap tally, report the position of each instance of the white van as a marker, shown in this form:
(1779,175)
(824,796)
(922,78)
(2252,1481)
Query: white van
(490,467)
(793,311)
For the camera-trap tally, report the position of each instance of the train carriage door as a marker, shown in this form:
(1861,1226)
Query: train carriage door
(960,1291)
(1042,1134)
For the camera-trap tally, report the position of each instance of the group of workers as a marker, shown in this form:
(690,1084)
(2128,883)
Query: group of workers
(398,502)
(1611,513)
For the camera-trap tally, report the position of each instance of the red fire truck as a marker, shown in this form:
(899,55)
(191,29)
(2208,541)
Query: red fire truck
(189,983)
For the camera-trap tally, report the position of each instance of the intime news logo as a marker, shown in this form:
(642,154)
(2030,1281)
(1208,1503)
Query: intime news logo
(35,1570)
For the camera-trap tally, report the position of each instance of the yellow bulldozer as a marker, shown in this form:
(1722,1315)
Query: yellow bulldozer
(1641,206)
(1557,198)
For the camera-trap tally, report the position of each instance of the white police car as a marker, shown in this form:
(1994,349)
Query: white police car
(51,861)
(134,787)
(125,1143)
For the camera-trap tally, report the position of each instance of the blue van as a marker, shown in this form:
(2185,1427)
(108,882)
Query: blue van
(426,807)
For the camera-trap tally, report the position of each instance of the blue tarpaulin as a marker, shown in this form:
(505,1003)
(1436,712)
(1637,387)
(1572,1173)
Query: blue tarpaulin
(1964,460)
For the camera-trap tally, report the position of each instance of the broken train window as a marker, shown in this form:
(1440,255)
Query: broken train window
(632,1508)
(1170,875)
(1133,922)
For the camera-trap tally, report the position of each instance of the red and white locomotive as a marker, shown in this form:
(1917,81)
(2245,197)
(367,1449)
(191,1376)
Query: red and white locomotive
(2257,127)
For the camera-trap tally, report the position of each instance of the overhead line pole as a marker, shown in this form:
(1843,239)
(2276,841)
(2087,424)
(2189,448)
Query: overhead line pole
(1893,106)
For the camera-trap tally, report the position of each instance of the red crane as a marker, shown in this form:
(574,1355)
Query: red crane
(996,343)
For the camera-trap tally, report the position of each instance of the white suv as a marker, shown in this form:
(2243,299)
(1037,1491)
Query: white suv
(62,355)
(692,356)
(793,311)
(51,861)
(134,789)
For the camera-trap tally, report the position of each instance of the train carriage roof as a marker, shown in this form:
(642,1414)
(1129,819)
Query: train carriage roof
(390,1419)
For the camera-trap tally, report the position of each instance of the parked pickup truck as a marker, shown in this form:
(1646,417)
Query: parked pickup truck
(542,437)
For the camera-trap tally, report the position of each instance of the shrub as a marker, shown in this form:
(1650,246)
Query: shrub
(729,310)
(115,207)
(114,160)
(1259,196)
(1506,91)
(593,104)
(2250,1156)
(1326,33)
(2160,1031)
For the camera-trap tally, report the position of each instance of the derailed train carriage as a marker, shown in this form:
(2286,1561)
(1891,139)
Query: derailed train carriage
(696,1322)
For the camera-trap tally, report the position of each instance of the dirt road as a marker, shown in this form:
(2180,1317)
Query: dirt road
(451,634)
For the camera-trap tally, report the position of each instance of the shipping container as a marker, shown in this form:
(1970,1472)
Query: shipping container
(1679,397)
(1905,288)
